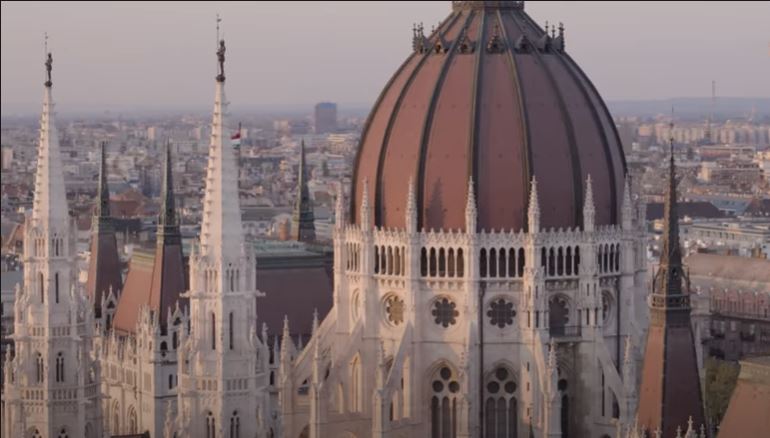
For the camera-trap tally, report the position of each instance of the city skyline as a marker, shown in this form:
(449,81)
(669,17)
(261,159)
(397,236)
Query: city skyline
(355,48)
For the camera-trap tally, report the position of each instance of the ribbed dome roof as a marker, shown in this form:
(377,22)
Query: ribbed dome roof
(488,96)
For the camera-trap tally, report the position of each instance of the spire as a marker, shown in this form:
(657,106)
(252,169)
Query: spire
(628,209)
(670,387)
(411,208)
(304,221)
(533,212)
(221,232)
(103,206)
(339,207)
(167,222)
(366,221)
(589,210)
(49,208)
(471,214)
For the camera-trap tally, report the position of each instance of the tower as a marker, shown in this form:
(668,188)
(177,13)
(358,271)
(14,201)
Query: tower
(670,392)
(303,219)
(222,363)
(104,267)
(52,382)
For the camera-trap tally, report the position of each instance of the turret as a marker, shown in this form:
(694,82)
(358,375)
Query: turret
(533,210)
(471,214)
(589,210)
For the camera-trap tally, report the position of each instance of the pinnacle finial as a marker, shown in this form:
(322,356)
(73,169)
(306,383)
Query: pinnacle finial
(411,208)
(365,213)
(315,322)
(589,210)
(471,213)
(340,207)
(533,212)
(103,204)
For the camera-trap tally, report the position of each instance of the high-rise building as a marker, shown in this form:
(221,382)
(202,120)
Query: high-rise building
(325,117)
(303,219)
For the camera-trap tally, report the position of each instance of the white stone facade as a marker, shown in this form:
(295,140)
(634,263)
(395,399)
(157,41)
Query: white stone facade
(428,327)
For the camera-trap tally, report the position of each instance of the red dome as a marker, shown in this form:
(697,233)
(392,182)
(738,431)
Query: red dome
(489,96)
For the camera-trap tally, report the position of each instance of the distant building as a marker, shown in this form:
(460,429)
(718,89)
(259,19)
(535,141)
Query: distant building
(747,412)
(325,117)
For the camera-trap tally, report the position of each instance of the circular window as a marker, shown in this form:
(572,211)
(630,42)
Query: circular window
(394,309)
(501,379)
(501,313)
(445,313)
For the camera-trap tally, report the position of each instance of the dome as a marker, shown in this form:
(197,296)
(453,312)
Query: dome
(490,97)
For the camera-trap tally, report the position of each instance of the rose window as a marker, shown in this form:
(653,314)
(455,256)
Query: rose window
(444,312)
(501,313)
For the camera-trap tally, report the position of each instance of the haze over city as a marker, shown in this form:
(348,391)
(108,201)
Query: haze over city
(135,56)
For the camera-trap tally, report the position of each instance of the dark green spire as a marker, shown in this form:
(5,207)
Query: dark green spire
(102,211)
(303,219)
(168,226)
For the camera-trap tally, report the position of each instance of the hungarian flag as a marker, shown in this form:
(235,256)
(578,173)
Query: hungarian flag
(236,138)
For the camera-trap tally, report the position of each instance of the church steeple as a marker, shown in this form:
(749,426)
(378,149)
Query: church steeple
(670,392)
(168,227)
(304,221)
(104,267)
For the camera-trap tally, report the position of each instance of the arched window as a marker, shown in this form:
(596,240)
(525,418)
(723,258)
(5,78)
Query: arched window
(390,260)
(617,258)
(170,381)
(441,263)
(60,367)
(521,262)
(483,263)
(397,257)
(133,425)
(501,407)
(36,434)
(560,261)
(175,339)
(511,262)
(235,425)
(492,263)
(376,260)
(568,270)
(460,263)
(40,370)
(433,262)
(577,260)
(41,285)
(451,262)
(230,328)
(565,416)
(63,433)
(116,419)
(502,263)
(356,383)
(551,262)
(210,426)
(213,331)
(443,405)
(56,286)
(424,262)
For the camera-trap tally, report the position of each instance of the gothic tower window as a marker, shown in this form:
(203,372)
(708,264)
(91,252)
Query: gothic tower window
(443,405)
(133,425)
(40,370)
(63,433)
(60,367)
(210,426)
(235,425)
(500,405)
(356,383)
(36,434)
(232,339)
(56,286)
(460,263)
(213,331)
(41,285)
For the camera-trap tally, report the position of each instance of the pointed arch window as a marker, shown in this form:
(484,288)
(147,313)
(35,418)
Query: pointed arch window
(500,405)
(41,285)
(356,383)
(213,331)
(210,426)
(40,370)
(235,425)
(60,367)
(443,406)
(230,328)
(36,434)
(56,286)
(63,433)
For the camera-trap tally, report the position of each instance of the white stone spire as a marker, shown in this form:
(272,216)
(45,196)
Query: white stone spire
(411,208)
(365,209)
(221,232)
(627,212)
(339,208)
(49,208)
(533,212)
(589,211)
(471,214)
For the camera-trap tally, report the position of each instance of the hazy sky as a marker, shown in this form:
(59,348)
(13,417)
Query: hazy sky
(160,55)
